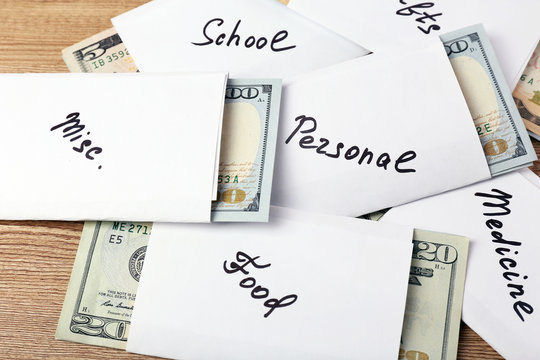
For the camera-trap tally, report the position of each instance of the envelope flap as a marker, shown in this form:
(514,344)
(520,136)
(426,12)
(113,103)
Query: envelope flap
(260,38)
(511,25)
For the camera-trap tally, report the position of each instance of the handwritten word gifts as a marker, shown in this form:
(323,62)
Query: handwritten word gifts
(247,38)
(110,146)
(378,25)
(277,290)
(502,297)
(375,132)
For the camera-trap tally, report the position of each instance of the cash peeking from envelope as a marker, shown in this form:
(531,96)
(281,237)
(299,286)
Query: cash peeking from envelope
(248,147)
(251,38)
(110,146)
(375,132)
(495,115)
(502,298)
(273,290)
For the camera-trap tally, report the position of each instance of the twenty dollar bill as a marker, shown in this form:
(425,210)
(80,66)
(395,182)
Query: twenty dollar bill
(434,298)
(504,138)
(101,292)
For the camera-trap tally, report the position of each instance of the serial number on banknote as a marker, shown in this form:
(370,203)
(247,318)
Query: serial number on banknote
(110,58)
(227,179)
(131,228)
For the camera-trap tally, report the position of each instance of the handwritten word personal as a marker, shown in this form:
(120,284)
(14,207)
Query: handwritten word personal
(309,125)
(72,127)
(257,292)
(423,16)
(235,39)
(501,209)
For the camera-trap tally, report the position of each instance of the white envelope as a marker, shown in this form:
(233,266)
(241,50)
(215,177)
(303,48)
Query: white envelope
(404,104)
(532,177)
(512,25)
(110,146)
(509,323)
(324,288)
(247,38)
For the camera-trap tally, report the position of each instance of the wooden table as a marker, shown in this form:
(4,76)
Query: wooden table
(36,256)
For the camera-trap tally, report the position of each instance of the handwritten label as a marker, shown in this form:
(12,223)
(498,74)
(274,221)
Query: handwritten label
(72,130)
(421,16)
(234,39)
(308,125)
(506,261)
(242,262)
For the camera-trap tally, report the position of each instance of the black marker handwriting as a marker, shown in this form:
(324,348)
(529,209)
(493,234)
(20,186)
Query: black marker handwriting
(258,292)
(234,39)
(498,206)
(351,153)
(422,16)
(73,127)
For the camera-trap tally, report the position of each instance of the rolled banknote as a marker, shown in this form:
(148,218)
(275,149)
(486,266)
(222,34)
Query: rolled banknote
(434,298)
(527,94)
(503,136)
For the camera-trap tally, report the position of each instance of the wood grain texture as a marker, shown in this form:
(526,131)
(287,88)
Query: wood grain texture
(36,256)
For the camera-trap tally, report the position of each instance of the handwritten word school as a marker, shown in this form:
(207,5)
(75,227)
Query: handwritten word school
(234,39)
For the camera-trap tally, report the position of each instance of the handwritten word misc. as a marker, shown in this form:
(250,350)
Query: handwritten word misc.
(234,39)
(73,128)
(242,262)
(500,209)
(422,16)
(308,125)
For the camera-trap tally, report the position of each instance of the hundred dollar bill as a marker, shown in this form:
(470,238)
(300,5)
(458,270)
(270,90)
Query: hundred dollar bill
(103,52)
(527,94)
(101,292)
(434,298)
(248,146)
(504,138)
